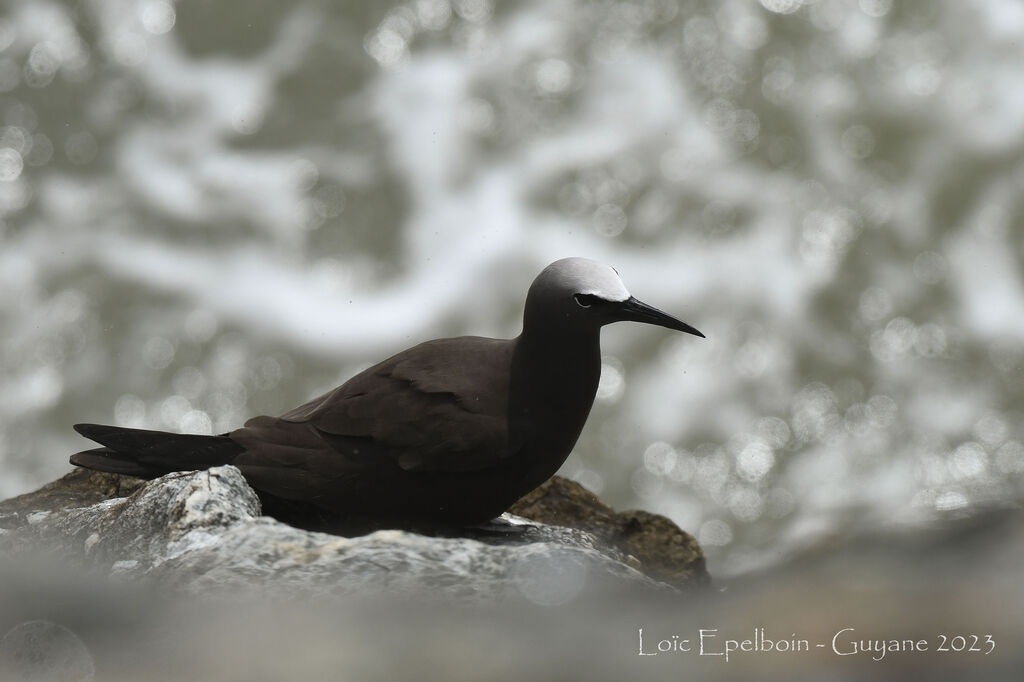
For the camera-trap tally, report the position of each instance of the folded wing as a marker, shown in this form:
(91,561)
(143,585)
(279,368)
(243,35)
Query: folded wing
(439,406)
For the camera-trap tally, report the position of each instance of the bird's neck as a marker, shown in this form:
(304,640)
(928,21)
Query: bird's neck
(553,384)
(555,377)
(540,349)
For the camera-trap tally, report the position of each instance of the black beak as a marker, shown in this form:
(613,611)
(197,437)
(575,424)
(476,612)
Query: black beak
(637,311)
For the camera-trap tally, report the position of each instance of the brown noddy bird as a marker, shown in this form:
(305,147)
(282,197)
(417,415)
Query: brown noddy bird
(450,432)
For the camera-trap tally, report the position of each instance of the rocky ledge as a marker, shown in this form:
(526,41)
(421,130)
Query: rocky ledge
(202,531)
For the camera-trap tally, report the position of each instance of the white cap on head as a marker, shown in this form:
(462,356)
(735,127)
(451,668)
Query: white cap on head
(585,276)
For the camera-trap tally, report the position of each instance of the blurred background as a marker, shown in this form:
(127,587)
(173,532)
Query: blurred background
(212,210)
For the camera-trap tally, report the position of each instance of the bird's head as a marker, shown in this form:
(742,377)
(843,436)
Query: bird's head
(584,294)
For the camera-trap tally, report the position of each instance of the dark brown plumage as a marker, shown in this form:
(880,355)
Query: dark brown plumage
(450,432)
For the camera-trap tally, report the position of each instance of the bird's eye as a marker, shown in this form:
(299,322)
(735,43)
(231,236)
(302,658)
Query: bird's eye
(585,300)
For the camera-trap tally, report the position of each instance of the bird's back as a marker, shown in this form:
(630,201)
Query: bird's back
(474,370)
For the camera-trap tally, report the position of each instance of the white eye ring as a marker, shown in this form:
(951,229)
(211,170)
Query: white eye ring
(583,300)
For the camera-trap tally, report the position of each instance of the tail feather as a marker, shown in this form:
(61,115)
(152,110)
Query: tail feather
(105,459)
(144,453)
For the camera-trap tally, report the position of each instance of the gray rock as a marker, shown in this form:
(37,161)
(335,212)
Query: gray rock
(200,532)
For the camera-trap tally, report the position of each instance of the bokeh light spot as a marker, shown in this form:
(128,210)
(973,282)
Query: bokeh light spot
(11,164)
(755,461)
(158,352)
(157,16)
(715,533)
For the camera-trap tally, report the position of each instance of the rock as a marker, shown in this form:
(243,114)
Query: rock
(200,532)
(935,581)
(660,548)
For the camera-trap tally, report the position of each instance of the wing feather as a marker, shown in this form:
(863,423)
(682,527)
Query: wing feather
(440,406)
